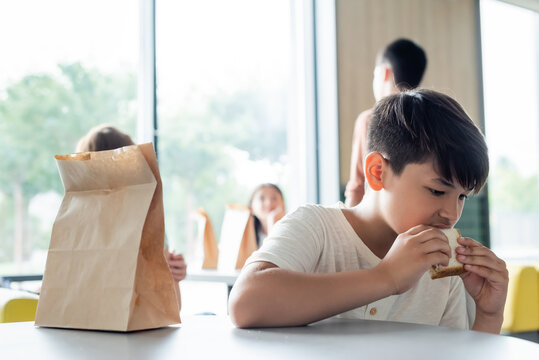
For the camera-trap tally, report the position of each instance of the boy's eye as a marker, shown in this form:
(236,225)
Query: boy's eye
(463,197)
(436,192)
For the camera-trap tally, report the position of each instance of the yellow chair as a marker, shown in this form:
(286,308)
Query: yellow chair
(521,311)
(17,305)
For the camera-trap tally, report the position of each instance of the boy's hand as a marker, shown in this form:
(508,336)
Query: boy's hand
(176,264)
(412,254)
(486,278)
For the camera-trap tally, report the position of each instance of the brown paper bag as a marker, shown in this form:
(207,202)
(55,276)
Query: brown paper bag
(238,238)
(105,268)
(206,237)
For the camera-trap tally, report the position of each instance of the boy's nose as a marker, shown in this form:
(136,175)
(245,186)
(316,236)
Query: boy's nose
(451,211)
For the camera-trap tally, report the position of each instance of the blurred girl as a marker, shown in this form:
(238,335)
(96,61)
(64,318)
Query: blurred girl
(267,206)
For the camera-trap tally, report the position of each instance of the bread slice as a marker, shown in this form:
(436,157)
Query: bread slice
(454,267)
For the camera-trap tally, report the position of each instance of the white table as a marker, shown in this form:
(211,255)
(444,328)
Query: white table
(212,337)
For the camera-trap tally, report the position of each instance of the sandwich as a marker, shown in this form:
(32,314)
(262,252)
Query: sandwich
(454,267)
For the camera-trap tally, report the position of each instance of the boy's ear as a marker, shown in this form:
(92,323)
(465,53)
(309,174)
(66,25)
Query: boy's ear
(374,167)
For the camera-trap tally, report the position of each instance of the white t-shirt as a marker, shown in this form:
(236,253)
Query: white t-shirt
(318,239)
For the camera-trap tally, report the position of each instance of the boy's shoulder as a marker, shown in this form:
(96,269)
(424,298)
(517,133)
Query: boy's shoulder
(316,214)
(321,210)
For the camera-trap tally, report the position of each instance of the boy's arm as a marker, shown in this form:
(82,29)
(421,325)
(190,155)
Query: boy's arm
(265,295)
(486,280)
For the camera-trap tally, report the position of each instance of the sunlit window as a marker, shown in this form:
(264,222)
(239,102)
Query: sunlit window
(510,39)
(225,100)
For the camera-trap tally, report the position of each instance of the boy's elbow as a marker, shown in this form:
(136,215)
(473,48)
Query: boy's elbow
(246,304)
(241,319)
(242,312)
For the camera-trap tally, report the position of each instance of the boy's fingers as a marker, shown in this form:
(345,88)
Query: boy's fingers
(479,270)
(478,261)
(418,229)
(436,258)
(480,253)
(436,239)
(487,273)
(469,242)
(432,233)
(476,253)
(437,245)
(483,262)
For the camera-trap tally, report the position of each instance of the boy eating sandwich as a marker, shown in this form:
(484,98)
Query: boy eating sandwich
(372,261)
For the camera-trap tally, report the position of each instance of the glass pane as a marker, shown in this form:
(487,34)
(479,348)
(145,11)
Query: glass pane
(225,101)
(511,86)
(66,67)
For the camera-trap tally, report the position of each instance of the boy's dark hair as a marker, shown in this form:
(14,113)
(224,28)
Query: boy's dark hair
(408,61)
(417,125)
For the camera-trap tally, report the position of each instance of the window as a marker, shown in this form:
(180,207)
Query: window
(511,90)
(66,66)
(226,106)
